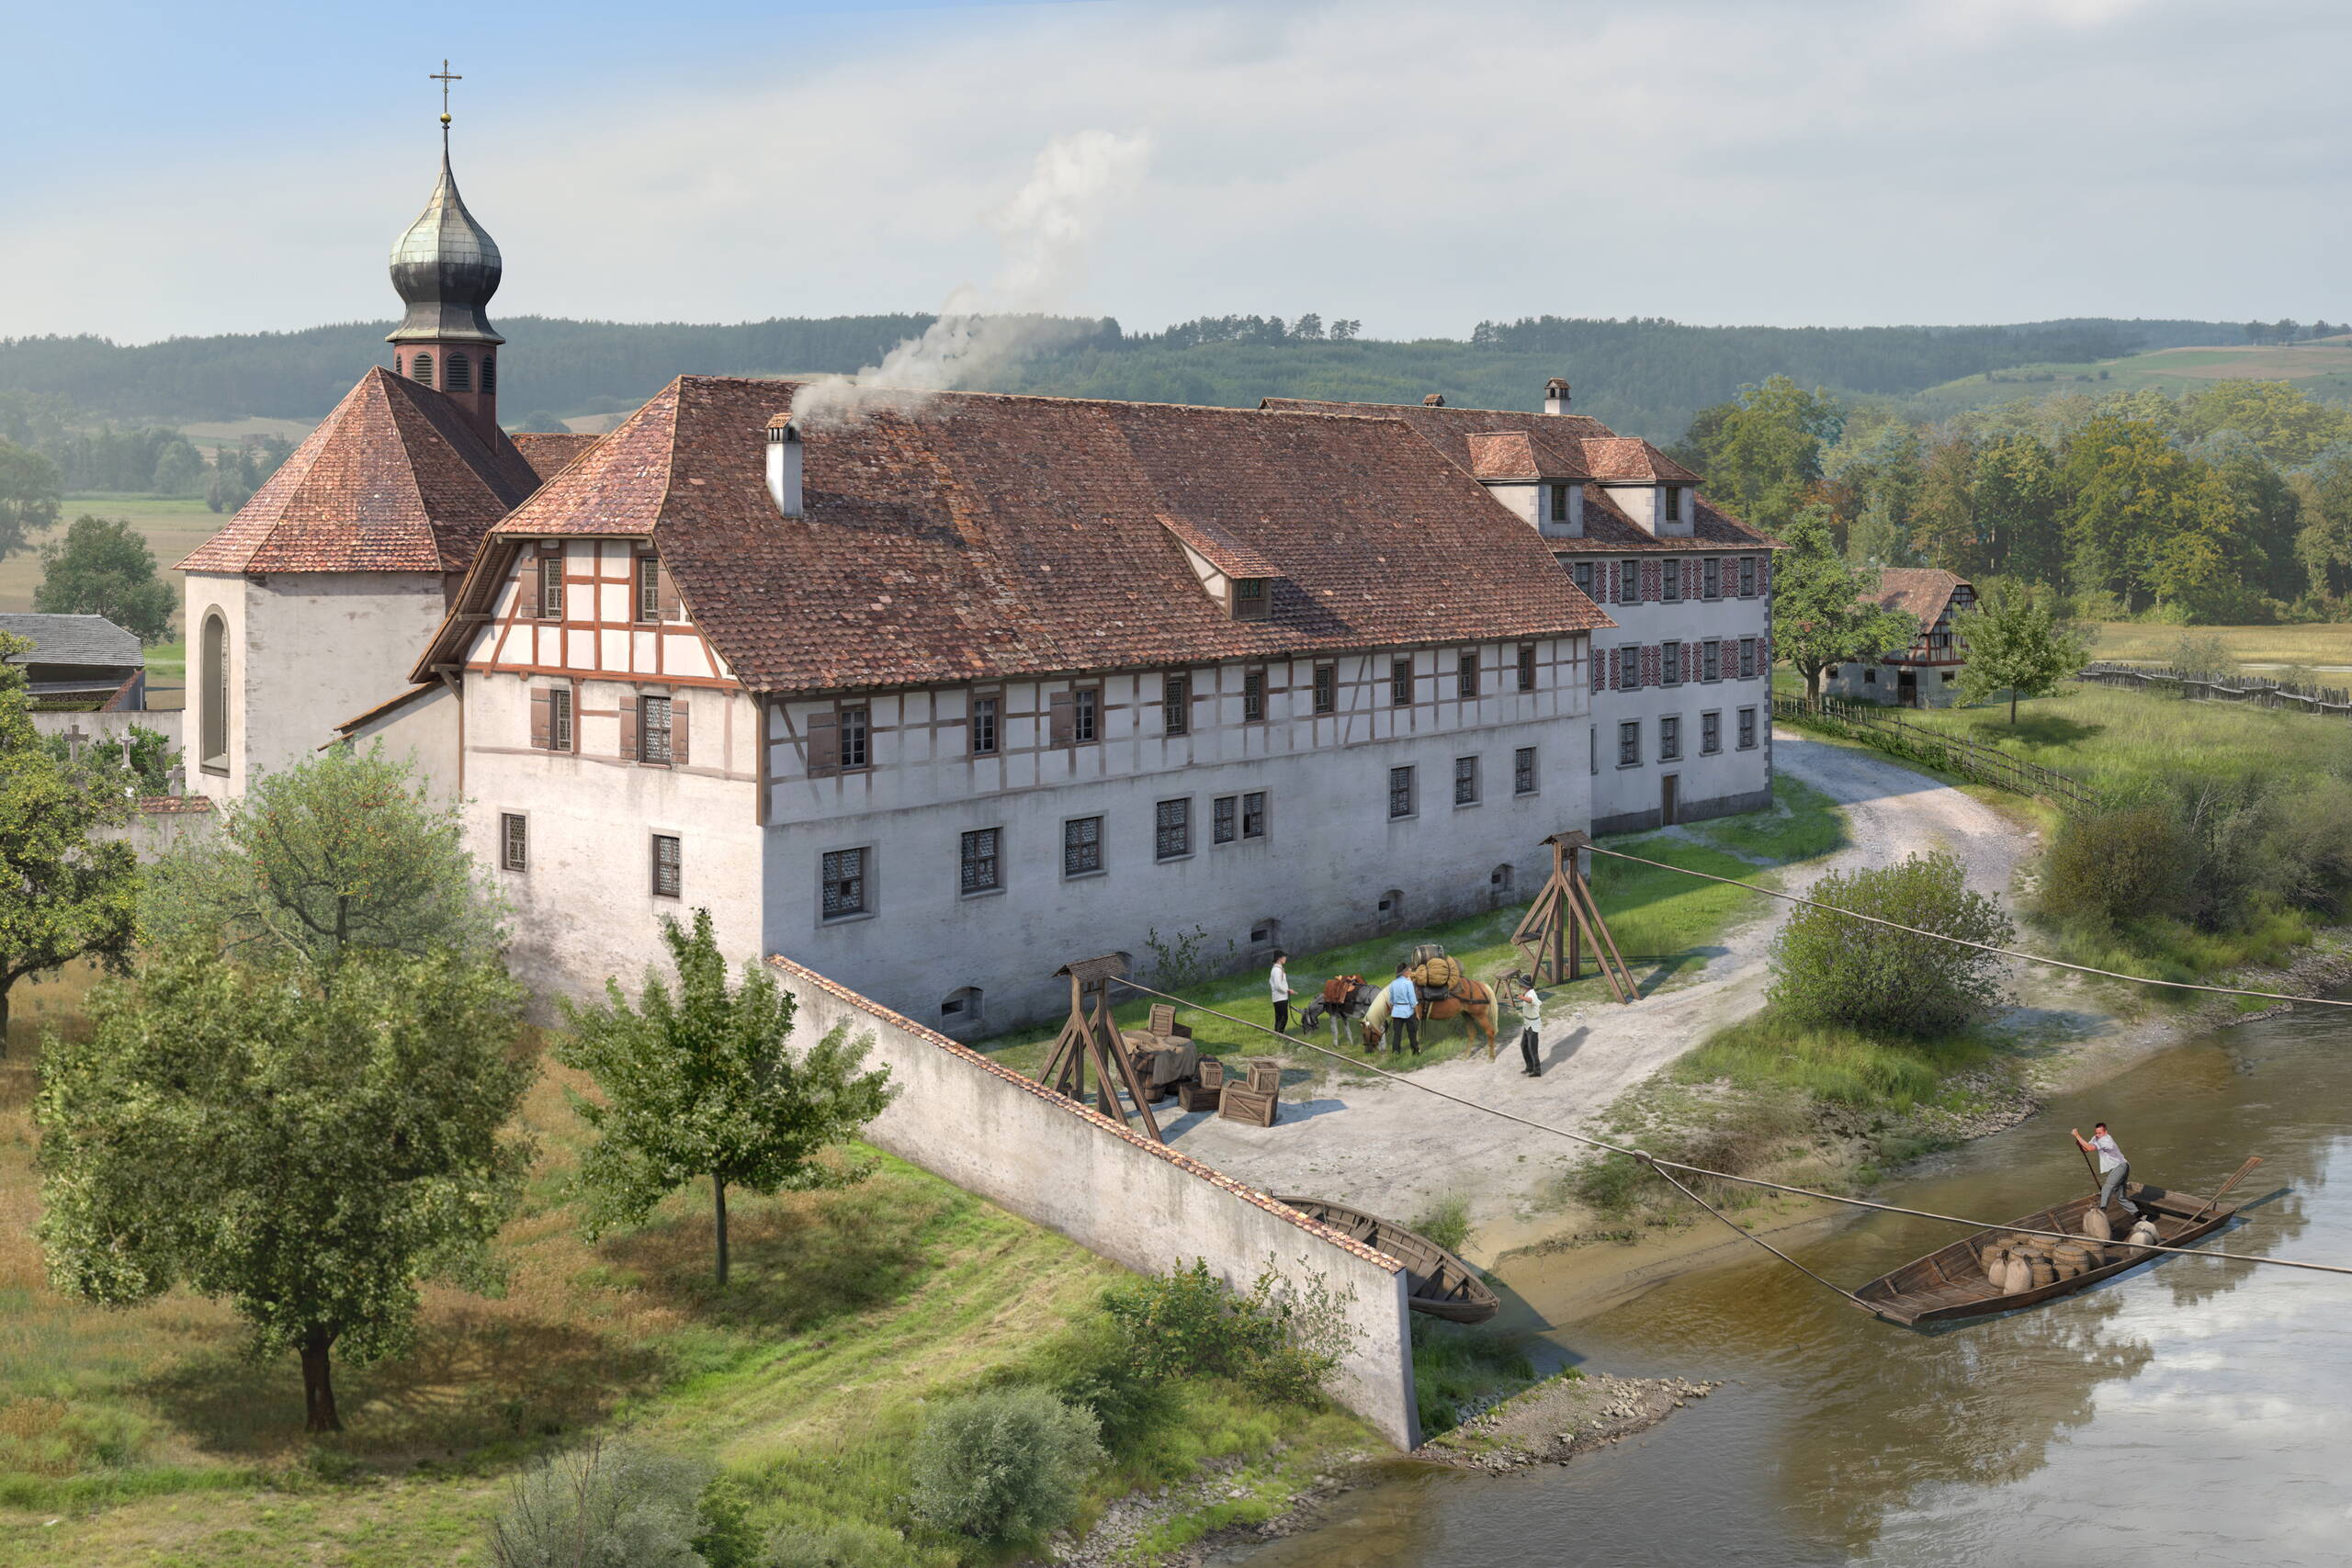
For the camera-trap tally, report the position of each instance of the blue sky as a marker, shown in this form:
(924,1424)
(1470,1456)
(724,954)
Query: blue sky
(1417,167)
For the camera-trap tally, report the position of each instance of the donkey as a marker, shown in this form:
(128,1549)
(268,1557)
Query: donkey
(1345,997)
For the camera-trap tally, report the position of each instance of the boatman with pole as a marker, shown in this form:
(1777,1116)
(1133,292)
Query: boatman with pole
(2114,1170)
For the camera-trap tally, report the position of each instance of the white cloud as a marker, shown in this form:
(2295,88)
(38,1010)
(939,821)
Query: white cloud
(1419,167)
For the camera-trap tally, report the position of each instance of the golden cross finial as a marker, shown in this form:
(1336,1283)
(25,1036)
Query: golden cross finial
(445,77)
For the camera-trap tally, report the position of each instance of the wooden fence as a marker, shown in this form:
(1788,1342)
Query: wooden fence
(1973,760)
(2251,690)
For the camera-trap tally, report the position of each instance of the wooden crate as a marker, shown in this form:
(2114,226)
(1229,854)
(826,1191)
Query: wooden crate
(1265,1077)
(1198,1097)
(1212,1074)
(1163,1018)
(1254,1106)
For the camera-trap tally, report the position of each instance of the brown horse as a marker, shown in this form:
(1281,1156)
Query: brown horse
(1465,999)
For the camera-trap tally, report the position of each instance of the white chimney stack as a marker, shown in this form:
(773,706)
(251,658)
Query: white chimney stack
(1556,396)
(784,468)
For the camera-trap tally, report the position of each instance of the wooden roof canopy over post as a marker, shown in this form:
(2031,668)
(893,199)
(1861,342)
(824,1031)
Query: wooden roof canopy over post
(1565,921)
(1090,1034)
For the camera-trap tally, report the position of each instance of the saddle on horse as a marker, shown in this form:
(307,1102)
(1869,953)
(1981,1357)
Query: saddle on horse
(1440,977)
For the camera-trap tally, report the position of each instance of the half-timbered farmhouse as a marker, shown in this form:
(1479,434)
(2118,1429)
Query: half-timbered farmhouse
(1927,673)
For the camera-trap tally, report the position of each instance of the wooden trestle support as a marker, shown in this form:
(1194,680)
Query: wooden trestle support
(1089,1034)
(1564,920)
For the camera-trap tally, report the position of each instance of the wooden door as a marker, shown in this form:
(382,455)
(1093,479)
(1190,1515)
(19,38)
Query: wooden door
(1669,791)
(1906,688)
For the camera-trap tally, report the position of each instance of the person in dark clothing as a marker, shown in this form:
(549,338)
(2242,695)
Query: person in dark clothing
(1531,1030)
(1278,980)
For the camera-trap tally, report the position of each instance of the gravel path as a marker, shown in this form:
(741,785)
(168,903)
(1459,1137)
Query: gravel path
(1392,1149)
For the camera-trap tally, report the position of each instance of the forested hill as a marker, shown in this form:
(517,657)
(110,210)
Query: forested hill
(1644,376)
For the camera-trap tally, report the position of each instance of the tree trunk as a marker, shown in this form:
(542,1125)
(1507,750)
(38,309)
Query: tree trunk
(1812,684)
(2013,704)
(318,1384)
(718,1221)
(7,984)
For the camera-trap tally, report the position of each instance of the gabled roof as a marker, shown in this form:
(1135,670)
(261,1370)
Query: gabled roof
(1923,590)
(550,452)
(73,640)
(974,535)
(395,479)
(1580,447)
(1235,558)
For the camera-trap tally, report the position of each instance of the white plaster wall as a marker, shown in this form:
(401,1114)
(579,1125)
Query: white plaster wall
(584,907)
(424,732)
(1330,851)
(991,1132)
(204,595)
(164,722)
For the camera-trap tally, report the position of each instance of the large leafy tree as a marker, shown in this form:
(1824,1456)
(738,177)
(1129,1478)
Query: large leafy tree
(103,567)
(2323,543)
(307,1155)
(1946,530)
(2017,643)
(1820,616)
(698,1080)
(341,853)
(2018,497)
(29,490)
(2147,520)
(1767,453)
(63,895)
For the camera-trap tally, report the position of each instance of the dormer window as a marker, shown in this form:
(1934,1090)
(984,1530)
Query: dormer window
(1559,503)
(1233,572)
(1251,598)
(1673,503)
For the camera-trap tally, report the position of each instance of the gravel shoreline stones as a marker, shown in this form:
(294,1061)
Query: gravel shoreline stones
(1560,1419)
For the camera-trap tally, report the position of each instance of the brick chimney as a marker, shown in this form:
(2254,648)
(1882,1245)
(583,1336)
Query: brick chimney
(1556,396)
(1433,400)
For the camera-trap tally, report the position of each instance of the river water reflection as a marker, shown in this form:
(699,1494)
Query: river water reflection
(2196,1410)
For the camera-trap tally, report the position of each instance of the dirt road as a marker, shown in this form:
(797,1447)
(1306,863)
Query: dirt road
(1394,1149)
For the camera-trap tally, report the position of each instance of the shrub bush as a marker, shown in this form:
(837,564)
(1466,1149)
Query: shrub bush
(1828,968)
(1446,1222)
(1093,1367)
(2120,866)
(607,1505)
(1278,1341)
(1003,1466)
(835,1545)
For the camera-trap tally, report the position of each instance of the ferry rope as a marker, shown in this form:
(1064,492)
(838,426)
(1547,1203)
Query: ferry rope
(1662,1165)
(1962,941)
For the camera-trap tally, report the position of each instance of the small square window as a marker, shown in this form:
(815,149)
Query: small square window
(1400,792)
(1673,503)
(1465,675)
(1523,771)
(1670,585)
(1710,577)
(1746,657)
(1669,739)
(1711,660)
(1172,830)
(513,840)
(1747,729)
(1400,683)
(653,729)
(1465,781)
(649,588)
(1086,714)
(1326,688)
(1224,819)
(1250,600)
(844,875)
(1253,814)
(1629,744)
(1628,582)
(552,586)
(979,871)
(1747,577)
(1526,666)
(1253,696)
(1082,846)
(1175,704)
(1583,571)
(984,726)
(1629,669)
(1559,503)
(856,734)
(1711,734)
(1669,660)
(669,869)
(552,723)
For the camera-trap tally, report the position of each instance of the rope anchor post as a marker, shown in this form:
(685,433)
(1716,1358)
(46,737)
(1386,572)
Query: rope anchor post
(1564,921)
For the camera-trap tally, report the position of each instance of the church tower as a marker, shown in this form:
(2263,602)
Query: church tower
(445,268)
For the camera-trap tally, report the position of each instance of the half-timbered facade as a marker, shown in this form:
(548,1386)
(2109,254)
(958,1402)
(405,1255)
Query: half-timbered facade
(932,698)
(1927,673)
(1680,721)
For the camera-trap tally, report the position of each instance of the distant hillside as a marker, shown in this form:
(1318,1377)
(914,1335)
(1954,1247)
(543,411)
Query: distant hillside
(1643,374)
(2321,368)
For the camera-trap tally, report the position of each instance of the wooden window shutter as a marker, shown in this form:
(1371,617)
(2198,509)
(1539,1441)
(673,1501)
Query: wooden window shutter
(824,744)
(543,720)
(678,732)
(666,592)
(628,729)
(1061,720)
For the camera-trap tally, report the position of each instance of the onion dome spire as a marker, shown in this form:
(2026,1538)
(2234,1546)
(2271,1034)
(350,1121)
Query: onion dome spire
(445,266)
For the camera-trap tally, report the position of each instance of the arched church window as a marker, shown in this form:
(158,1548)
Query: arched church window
(460,375)
(212,695)
(420,369)
(490,373)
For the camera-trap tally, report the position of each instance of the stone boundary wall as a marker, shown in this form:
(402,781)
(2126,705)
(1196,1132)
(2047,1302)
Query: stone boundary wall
(161,823)
(1112,1190)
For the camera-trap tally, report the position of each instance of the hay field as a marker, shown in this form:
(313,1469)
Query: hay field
(2317,647)
(174,526)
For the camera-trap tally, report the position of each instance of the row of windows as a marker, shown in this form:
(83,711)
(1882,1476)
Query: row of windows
(666,862)
(1637,580)
(1630,667)
(1404,783)
(1669,738)
(653,728)
(456,371)
(654,598)
(838,742)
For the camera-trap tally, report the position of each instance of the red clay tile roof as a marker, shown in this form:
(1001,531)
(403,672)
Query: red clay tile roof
(978,535)
(1515,455)
(1583,447)
(550,452)
(1220,549)
(394,479)
(1923,590)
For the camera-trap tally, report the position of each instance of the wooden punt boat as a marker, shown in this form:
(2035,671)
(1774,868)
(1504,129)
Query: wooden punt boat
(1437,1282)
(1950,1283)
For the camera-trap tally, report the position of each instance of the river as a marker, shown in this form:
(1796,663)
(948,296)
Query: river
(2197,1409)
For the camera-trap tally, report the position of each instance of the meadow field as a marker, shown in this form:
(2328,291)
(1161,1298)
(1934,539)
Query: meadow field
(2312,647)
(2321,369)
(174,526)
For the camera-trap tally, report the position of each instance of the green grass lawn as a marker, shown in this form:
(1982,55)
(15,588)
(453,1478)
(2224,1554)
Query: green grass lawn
(2327,647)
(2320,370)
(145,1437)
(1666,926)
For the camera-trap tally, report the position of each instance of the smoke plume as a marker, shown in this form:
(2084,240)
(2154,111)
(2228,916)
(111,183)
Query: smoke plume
(1044,231)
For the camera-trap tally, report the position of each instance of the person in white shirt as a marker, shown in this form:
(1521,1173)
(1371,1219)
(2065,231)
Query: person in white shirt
(2114,1170)
(1278,981)
(1531,1020)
